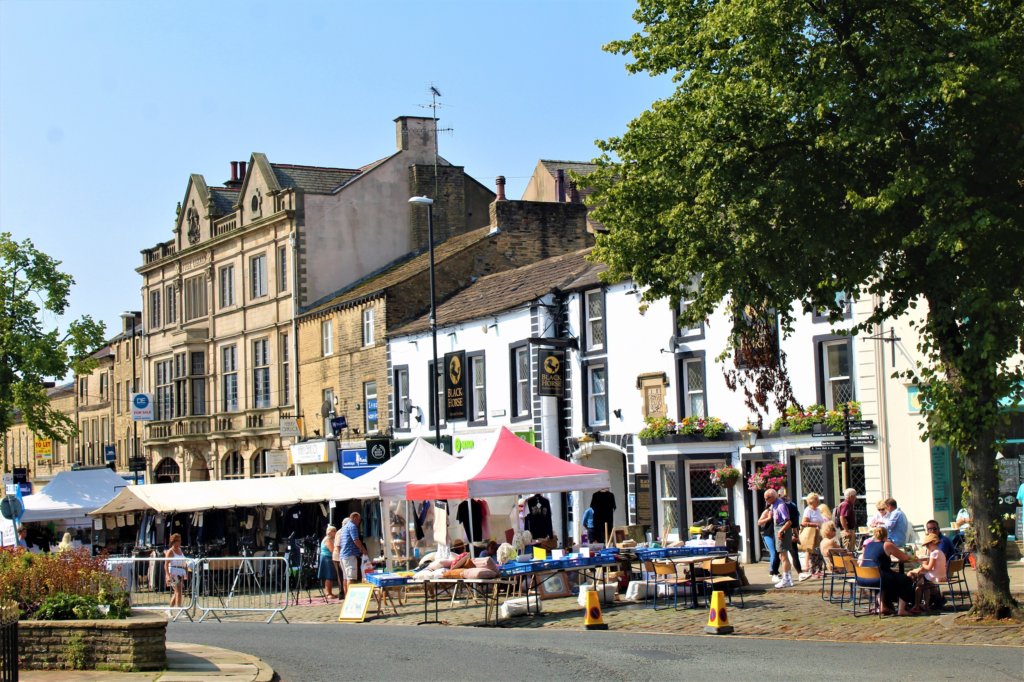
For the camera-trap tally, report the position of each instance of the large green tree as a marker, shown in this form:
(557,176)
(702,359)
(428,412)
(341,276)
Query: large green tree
(817,146)
(33,349)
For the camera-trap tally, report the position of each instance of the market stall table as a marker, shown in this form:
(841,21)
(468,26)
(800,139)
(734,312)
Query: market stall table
(485,588)
(688,561)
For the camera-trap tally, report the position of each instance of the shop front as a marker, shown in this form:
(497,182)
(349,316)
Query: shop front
(685,496)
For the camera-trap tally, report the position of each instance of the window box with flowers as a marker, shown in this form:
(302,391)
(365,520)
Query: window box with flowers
(726,477)
(687,430)
(815,417)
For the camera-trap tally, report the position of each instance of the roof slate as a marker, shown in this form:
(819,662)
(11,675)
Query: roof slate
(312,179)
(506,290)
(224,199)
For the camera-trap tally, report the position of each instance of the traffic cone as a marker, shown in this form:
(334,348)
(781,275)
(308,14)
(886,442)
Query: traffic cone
(718,619)
(592,619)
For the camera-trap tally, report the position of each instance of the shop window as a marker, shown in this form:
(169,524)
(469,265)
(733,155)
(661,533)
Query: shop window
(154,309)
(594,327)
(597,396)
(685,301)
(258,276)
(477,380)
(229,371)
(435,379)
(706,499)
(668,501)
(368,327)
(403,405)
(258,465)
(227,285)
(835,381)
(327,338)
(167,471)
(520,372)
(370,406)
(233,466)
(195,298)
(693,376)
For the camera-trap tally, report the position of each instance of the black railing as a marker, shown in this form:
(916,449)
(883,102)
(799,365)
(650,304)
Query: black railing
(9,642)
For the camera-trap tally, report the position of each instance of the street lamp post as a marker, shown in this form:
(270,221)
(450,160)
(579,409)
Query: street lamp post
(135,425)
(433,311)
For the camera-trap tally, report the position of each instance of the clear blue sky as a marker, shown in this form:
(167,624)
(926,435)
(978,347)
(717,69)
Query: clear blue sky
(106,107)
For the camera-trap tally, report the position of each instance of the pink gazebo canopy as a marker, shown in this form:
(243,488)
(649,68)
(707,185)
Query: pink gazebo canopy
(513,466)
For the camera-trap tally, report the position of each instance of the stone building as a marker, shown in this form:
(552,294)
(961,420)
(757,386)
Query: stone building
(220,297)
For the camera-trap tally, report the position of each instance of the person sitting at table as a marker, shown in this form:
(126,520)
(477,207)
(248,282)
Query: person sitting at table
(963,520)
(813,518)
(895,586)
(879,518)
(828,539)
(896,523)
(931,571)
(945,544)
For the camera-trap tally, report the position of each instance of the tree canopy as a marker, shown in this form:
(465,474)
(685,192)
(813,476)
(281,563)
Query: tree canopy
(31,287)
(816,147)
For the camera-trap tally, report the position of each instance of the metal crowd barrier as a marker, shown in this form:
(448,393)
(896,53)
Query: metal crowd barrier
(145,579)
(211,586)
(242,584)
(9,642)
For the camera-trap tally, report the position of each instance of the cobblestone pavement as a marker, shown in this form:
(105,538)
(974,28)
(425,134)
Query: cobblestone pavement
(796,613)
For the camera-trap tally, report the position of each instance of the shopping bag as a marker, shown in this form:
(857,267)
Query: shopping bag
(808,538)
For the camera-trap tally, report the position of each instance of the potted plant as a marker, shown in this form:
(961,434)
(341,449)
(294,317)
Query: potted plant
(710,428)
(725,477)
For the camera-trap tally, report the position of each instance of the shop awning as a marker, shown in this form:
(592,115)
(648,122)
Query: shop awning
(243,492)
(72,494)
(511,467)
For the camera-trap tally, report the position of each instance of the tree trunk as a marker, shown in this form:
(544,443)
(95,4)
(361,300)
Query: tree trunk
(993,599)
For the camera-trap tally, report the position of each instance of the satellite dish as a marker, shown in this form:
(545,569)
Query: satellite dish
(325,409)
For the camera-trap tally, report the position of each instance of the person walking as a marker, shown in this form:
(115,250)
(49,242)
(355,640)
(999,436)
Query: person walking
(783,535)
(325,567)
(176,571)
(768,532)
(794,516)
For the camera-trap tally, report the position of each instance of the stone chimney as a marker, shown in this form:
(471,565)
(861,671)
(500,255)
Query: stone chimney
(415,133)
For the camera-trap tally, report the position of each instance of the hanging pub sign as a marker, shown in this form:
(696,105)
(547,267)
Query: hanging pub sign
(551,379)
(378,451)
(455,385)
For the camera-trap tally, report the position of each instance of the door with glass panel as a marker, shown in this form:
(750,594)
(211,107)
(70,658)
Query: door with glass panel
(668,501)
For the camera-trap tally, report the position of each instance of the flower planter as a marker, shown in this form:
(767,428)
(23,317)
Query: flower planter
(135,643)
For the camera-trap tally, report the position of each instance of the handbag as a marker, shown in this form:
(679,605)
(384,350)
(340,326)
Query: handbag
(808,538)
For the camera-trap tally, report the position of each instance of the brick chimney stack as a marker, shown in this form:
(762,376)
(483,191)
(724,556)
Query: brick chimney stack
(560,185)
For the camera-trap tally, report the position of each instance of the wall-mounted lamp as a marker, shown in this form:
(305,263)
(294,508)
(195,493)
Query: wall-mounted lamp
(749,433)
(586,443)
(618,413)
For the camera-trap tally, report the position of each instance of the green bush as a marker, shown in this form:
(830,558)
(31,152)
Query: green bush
(29,579)
(63,606)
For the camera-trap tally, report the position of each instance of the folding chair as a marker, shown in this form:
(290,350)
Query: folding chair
(955,578)
(834,568)
(862,573)
(724,573)
(665,574)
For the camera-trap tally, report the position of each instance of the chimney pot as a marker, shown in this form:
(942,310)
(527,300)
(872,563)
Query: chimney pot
(574,194)
(234,171)
(500,184)
(242,166)
(560,185)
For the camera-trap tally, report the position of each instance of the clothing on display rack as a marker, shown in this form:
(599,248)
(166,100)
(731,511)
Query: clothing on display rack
(603,504)
(538,517)
(479,514)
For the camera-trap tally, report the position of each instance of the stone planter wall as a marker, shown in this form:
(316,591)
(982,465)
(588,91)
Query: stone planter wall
(136,643)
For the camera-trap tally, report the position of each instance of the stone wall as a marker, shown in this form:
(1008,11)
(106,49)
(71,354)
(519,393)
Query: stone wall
(136,643)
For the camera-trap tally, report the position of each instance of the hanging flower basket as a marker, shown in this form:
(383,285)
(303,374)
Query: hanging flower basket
(770,476)
(726,477)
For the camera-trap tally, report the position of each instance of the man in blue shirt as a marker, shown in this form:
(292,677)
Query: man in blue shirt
(945,544)
(896,523)
(351,548)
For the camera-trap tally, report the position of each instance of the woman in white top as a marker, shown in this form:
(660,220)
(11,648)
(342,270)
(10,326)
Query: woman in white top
(177,570)
(813,518)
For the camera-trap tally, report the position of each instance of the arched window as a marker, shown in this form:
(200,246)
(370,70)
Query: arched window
(233,466)
(258,465)
(168,471)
